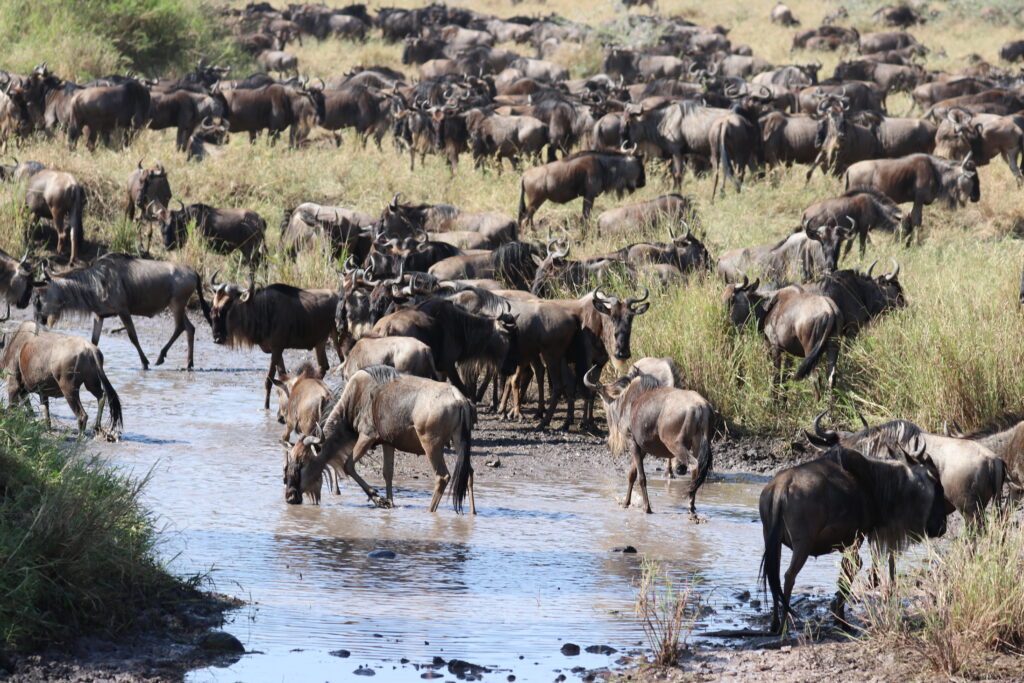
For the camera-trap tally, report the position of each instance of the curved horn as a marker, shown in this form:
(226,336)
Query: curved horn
(821,431)
(591,382)
(248,291)
(895,273)
(140,164)
(7,316)
(160,168)
(872,267)
(213,278)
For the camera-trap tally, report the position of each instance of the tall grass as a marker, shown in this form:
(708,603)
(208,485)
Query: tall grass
(964,606)
(76,548)
(667,612)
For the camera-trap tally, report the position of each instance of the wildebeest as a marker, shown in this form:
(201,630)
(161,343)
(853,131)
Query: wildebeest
(183,110)
(117,284)
(61,198)
(645,417)
(273,108)
(51,365)
(671,208)
(101,110)
(864,208)
(900,16)
(334,227)
(380,406)
(146,185)
(279,61)
(983,136)
(224,230)
(207,139)
(407,355)
(555,272)
(1012,51)
(793,321)
(684,252)
(835,502)
(787,139)
(16,279)
(301,399)
(917,178)
(805,254)
(583,174)
(274,318)
(781,14)
(859,296)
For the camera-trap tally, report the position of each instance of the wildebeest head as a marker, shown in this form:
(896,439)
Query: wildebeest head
(16,279)
(621,314)
(152,185)
(968,186)
(173,224)
(225,297)
(300,477)
(959,136)
(743,300)
(831,238)
(551,266)
(611,396)
(213,130)
(889,286)
(50,299)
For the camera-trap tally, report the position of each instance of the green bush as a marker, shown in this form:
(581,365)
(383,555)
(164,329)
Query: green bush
(76,548)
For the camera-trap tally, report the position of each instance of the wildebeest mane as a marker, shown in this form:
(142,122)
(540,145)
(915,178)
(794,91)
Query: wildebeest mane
(877,441)
(474,330)
(85,288)
(381,374)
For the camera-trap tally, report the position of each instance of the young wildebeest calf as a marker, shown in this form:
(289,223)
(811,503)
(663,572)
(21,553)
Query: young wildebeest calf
(301,399)
(380,406)
(38,361)
(116,284)
(407,355)
(836,501)
(648,418)
(146,185)
(61,198)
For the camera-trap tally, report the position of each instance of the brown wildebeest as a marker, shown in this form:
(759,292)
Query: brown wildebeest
(301,399)
(835,502)
(917,178)
(793,321)
(983,136)
(101,110)
(206,140)
(859,297)
(865,208)
(274,318)
(971,474)
(38,361)
(61,198)
(407,355)
(807,254)
(664,370)
(117,284)
(380,406)
(225,230)
(16,279)
(583,174)
(670,208)
(146,185)
(648,418)
(1007,443)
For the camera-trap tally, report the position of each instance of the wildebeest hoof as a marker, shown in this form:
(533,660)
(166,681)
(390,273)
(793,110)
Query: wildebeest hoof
(160,361)
(382,503)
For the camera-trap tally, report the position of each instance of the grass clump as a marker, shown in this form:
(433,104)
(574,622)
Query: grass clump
(964,607)
(666,612)
(76,548)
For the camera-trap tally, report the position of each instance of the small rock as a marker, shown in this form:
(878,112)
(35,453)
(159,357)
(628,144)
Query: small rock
(510,678)
(364,671)
(756,604)
(743,597)
(220,641)
(493,463)
(340,653)
(382,555)
(570,649)
(624,549)
(600,650)
(561,677)
(439,661)
(403,660)
(431,674)
(578,669)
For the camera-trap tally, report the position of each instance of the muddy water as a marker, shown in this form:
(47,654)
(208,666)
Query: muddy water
(533,570)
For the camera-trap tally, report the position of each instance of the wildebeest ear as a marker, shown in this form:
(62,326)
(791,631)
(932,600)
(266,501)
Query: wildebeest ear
(282,386)
(537,259)
(641,309)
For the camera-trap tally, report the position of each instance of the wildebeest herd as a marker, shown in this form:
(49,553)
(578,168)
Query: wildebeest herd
(437,307)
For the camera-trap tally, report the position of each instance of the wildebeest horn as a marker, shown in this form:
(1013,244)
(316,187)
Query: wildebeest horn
(213,278)
(589,382)
(24,259)
(627,150)
(967,159)
(872,267)
(140,164)
(247,292)
(631,302)
(393,204)
(180,204)
(895,273)
(160,168)
(207,125)
(822,434)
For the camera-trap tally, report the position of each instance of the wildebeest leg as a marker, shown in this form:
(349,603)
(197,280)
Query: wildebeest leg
(540,371)
(638,463)
(913,222)
(276,362)
(588,206)
(129,326)
(321,358)
(678,169)
(388,470)
(569,390)
(45,403)
(796,563)
(59,225)
(97,329)
(181,324)
(1011,161)
(630,480)
(435,453)
(832,359)
(70,391)
(556,375)
(362,447)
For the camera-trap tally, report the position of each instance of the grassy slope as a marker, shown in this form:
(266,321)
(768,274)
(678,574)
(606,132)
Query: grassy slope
(952,355)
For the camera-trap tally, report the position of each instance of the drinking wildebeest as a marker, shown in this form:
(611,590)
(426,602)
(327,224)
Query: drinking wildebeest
(117,284)
(646,417)
(224,230)
(407,355)
(835,502)
(301,399)
(917,178)
(16,280)
(380,406)
(793,321)
(274,318)
(61,198)
(51,365)
(583,174)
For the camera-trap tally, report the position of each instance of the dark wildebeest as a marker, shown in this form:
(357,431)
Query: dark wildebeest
(101,110)
(685,253)
(407,355)
(380,406)
(301,399)
(224,230)
(865,208)
(900,16)
(456,336)
(793,321)
(583,174)
(117,284)
(645,417)
(555,272)
(806,254)
(16,279)
(787,139)
(1012,51)
(61,198)
(859,297)
(835,502)
(274,318)
(918,178)
(38,361)
(670,208)
(984,136)
(183,110)
(146,185)
(930,93)
(273,108)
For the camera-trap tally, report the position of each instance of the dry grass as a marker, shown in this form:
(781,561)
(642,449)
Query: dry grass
(666,612)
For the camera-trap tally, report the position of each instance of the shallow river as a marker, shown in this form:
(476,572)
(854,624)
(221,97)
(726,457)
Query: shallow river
(506,589)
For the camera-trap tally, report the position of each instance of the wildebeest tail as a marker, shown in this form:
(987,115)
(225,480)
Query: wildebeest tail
(811,361)
(462,441)
(202,300)
(723,159)
(522,201)
(116,419)
(698,478)
(768,574)
(286,219)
